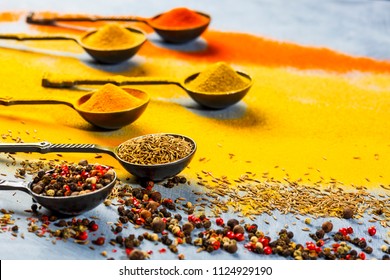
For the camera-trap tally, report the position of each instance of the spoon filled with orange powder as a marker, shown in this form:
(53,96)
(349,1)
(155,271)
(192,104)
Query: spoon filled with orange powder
(109,107)
(179,25)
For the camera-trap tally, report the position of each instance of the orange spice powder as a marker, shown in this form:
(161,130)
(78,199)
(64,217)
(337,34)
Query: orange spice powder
(110,98)
(179,18)
(251,49)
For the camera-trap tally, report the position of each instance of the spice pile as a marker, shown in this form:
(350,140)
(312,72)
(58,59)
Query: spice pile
(218,78)
(111,98)
(112,36)
(71,180)
(145,208)
(155,149)
(179,18)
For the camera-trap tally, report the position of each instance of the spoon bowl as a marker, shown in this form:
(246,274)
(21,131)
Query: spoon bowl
(180,35)
(218,100)
(105,120)
(66,205)
(114,120)
(158,172)
(114,56)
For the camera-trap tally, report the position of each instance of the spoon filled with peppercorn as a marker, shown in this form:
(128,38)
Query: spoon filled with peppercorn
(110,44)
(153,156)
(179,25)
(132,103)
(217,87)
(68,189)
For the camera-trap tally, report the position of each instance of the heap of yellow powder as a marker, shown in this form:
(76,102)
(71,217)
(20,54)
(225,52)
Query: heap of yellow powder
(111,37)
(218,78)
(110,98)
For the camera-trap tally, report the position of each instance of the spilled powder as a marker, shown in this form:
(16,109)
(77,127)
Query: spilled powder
(218,78)
(110,98)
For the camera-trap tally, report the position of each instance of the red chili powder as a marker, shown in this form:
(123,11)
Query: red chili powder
(179,18)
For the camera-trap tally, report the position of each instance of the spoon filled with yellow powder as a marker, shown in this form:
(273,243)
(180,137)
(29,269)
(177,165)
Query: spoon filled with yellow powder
(109,107)
(217,87)
(109,44)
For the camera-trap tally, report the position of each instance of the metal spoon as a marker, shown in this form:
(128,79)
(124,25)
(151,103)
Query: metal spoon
(106,120)
(209,100)
(176,35)
(67,205)
(104,56)
(156,172)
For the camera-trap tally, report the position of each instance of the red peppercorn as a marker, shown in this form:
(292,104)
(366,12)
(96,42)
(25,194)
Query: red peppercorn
(82,235)
(230,235)
(140,221)
(310,246)
(216,244)
(219,221)
(362,256)
(372,231)
(94,227)
(239,237)
(343,231)
(267,250)
(349,230)
(264,241)
(99,241)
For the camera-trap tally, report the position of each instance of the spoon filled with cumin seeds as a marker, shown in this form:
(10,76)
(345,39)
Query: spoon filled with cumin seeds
(152,156)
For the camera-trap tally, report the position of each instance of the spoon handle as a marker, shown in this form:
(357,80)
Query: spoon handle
(23,37)
(46,147)
(10,101)
(6,185)
(50,81)
(36,19)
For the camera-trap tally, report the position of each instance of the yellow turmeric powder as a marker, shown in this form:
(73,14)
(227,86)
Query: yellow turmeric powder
(218,78)
(112,37)
(110,98)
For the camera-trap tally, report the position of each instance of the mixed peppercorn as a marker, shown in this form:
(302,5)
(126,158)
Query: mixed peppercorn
(72,179)
(144,207)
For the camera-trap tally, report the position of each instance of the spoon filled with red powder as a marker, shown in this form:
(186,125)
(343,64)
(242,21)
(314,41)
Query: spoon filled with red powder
(179,25)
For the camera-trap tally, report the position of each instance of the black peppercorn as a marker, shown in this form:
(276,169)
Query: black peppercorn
(320,233)
(158,225)
(368,250)
(347,213)
(386,257)
(137,255)
(232,223)
(327,226)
